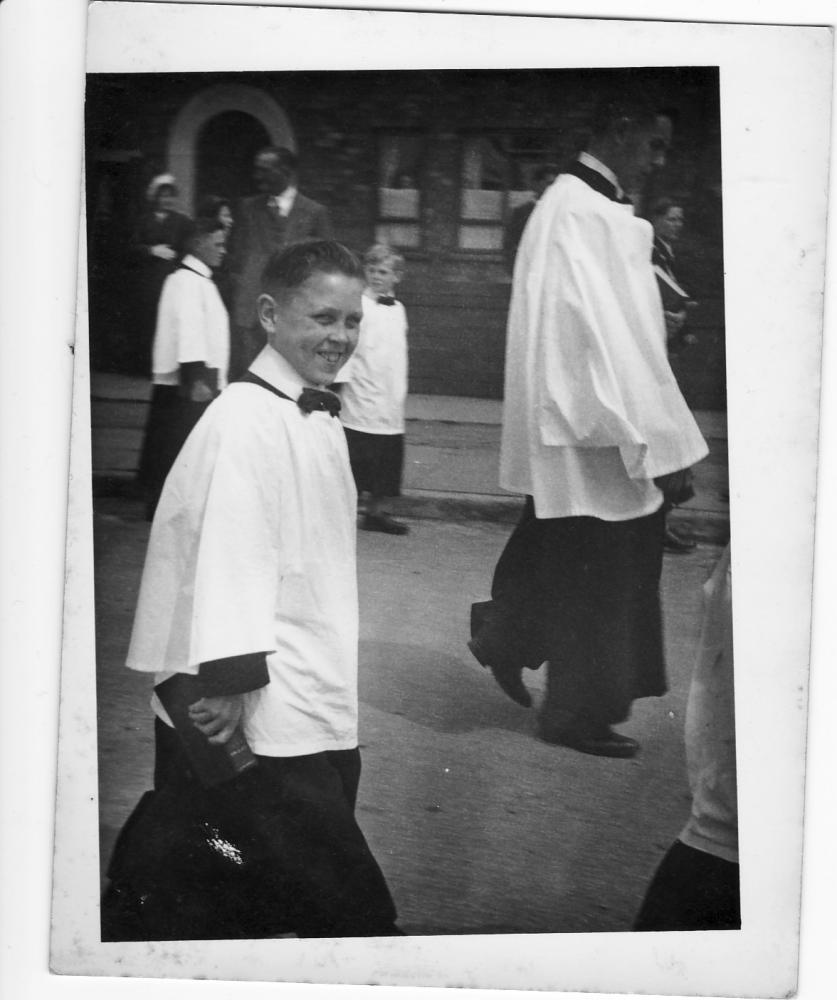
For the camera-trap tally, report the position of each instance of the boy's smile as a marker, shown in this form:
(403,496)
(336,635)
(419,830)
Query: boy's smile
(315,326)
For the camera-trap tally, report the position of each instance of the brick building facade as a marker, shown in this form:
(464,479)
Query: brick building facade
(432,161)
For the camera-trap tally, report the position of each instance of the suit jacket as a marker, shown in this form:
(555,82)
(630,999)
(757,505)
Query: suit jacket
(257,234)
(514,231)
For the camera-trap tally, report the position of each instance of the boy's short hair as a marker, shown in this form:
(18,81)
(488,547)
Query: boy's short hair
(381,253)
(205,222)
(293,265)
(209,207)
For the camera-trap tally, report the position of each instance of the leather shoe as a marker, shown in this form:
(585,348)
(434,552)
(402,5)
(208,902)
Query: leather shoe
(508,677)
(673,542)
(384,523)
(606,743)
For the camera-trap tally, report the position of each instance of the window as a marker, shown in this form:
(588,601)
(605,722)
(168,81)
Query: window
(496,177)
(399,195)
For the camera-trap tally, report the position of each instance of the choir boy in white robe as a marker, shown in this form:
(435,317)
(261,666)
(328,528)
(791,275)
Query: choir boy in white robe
(249,591)
(595,434)
(190,354)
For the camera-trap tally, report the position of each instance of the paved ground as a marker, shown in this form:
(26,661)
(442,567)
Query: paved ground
(478,826)
(451,462)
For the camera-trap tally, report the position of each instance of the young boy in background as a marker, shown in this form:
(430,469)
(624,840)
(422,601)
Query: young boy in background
(373,389)
(248,601)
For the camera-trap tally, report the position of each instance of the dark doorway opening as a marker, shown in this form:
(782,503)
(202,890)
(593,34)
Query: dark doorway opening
(226,147)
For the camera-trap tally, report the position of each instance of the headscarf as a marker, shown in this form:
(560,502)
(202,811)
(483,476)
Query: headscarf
(161,180)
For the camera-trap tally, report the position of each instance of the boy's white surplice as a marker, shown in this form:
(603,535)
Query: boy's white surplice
(192,324)
(253,550)
(592,411)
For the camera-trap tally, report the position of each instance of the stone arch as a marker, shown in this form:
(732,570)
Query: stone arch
(184,132)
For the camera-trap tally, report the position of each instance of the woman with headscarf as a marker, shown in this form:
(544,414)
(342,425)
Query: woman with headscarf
(156,248)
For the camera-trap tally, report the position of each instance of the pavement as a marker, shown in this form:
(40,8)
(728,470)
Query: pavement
(452,456)
(478,826)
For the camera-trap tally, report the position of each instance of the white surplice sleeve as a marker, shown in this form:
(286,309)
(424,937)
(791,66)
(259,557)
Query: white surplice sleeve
(600,375)
(210,582)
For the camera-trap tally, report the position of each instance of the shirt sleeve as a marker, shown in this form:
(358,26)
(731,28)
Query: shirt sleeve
(233,675)
(190,318)
(210,583)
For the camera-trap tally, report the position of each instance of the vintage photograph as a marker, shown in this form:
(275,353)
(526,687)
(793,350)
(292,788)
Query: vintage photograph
(408,485)
(435,182)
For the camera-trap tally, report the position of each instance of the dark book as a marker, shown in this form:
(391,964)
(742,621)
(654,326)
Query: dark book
(213,763)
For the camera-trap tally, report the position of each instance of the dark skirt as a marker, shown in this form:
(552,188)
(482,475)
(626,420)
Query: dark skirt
(170,421)
(377,462)
(277,850)
(691,890)
(582,594)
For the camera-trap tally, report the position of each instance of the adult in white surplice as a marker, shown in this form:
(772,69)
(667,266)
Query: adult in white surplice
(595,433)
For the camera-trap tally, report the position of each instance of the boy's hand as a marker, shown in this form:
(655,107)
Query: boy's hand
(200,392)
(217,718)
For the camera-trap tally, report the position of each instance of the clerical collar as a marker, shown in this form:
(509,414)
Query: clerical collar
(590,161)
(284,202)
(198,266)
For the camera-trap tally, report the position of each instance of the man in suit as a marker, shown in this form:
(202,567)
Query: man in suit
(668,220)
(274,218)
(542,177)
(597,436)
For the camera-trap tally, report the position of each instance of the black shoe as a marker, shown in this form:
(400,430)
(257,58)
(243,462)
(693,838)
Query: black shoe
(508,677)
(677,544)
(384,523)
(606,743)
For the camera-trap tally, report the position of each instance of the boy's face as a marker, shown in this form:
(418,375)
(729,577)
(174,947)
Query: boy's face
(314,326)
(381,278)
(210,248)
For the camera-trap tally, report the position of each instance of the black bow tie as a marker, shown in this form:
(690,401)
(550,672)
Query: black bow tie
(319,399)
(386,300)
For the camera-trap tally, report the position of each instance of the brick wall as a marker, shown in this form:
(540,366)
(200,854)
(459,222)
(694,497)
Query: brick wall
(456,300)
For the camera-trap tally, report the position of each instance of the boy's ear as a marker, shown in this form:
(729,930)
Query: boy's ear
(266,310)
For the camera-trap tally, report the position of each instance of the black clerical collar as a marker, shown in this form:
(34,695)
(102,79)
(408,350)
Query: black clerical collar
(598,182)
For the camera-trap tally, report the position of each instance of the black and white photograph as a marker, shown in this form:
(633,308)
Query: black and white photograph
(443,474)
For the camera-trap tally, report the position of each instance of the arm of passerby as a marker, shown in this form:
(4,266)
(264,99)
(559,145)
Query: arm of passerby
(162,251)
(223,682)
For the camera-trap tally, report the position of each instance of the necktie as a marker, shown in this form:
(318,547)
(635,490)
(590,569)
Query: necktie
(319,399)
(386,300)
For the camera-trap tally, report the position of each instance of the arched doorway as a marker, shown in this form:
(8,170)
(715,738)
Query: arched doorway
(226,147)
(182,153)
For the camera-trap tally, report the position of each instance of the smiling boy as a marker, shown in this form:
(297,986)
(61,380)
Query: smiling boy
(250,587)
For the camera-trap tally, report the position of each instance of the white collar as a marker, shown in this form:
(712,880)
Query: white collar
(590,161)
(194,264)
(280,373)
(284,201)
